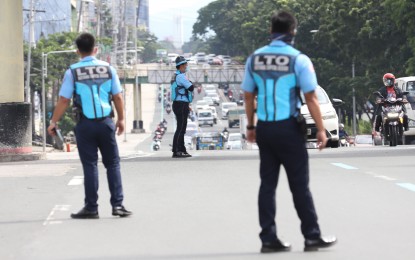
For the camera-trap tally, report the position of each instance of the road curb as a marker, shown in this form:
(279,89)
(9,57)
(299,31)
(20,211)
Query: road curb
(22,157)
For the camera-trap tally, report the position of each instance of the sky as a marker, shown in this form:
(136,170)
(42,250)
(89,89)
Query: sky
(163,13)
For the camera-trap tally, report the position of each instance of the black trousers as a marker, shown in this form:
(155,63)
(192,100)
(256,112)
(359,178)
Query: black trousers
(281,143)
(181,110)
(92,136)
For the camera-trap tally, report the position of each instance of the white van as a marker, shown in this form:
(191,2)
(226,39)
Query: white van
(225,108)
(408,84)
(329,115)
(205,117)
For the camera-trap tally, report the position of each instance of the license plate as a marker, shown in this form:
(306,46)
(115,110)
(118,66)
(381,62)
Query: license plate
(308,131)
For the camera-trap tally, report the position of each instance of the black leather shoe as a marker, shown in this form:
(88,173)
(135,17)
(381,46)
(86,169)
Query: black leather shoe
(85,214)
(186,154)
(121,211)
(180,155)
(276,246)
(322,242)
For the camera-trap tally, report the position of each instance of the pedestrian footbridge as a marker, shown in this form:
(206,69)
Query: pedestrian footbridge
(162,74)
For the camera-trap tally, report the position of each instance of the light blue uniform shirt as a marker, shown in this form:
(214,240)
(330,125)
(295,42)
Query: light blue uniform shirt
(67,88)
(276,88)
(182,80)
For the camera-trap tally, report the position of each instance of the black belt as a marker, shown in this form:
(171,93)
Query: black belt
(95,119)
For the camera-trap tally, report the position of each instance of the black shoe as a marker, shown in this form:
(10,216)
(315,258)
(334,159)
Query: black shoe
(85,214)
(276,246)
(181,155)
(315,244)
(121,211)
(186,154)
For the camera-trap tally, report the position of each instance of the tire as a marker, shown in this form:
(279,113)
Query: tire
(334,144)
(393,135)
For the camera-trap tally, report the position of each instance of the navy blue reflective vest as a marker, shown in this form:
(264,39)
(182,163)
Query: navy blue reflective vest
(93,86)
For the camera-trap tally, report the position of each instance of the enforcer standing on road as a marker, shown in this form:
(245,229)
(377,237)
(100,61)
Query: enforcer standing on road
(276,73)
(91,83)
(181,94)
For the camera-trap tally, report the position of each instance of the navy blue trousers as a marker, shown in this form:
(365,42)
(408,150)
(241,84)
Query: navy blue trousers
(281,143)
(181,111)
(91,136)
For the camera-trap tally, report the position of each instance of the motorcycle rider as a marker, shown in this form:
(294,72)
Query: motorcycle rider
(387,91)
(225,133)
(342,132)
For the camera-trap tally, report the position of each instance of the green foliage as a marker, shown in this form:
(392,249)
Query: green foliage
(376,35)
(149,42)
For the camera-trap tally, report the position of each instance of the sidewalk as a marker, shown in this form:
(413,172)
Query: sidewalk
(131,146)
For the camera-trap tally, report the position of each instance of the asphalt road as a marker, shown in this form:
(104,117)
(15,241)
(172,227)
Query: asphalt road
(205,207)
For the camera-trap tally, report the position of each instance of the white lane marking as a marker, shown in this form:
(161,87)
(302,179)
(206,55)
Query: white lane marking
(408,186)
(76,180)
(56,208)
(384,177)
(344,166)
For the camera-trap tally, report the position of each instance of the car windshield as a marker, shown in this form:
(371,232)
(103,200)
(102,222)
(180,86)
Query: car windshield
(228,106)
(201,102)
(236,111)
(205,114)
(321,96)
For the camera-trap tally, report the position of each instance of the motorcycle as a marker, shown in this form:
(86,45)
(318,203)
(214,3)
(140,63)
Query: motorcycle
(168,109)
(392,118)
(344,142)
(156,144)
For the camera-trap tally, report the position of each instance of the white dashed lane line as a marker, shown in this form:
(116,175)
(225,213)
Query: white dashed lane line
(344,166)
(408,186)
(76,180)
(50,220)
(405,185)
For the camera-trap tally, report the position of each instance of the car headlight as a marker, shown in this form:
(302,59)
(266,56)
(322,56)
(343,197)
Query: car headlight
(329,116)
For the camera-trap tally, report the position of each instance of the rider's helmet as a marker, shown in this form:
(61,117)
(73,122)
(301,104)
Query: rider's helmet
(341,126)
(389,80)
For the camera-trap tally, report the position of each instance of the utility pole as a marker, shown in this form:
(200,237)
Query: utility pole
(98,18)
(354,103)
(125,31)
(80,16)
(29,52)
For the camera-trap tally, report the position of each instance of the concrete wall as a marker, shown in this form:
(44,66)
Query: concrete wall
(11,52)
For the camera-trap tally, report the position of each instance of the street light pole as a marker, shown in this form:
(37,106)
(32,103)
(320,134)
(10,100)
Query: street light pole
(354,103)
(44,75)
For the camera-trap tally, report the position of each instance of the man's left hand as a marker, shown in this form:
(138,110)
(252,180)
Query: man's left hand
(120,126)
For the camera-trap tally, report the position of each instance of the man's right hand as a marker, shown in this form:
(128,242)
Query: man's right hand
(251,136)
(321,139)
(120,126)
